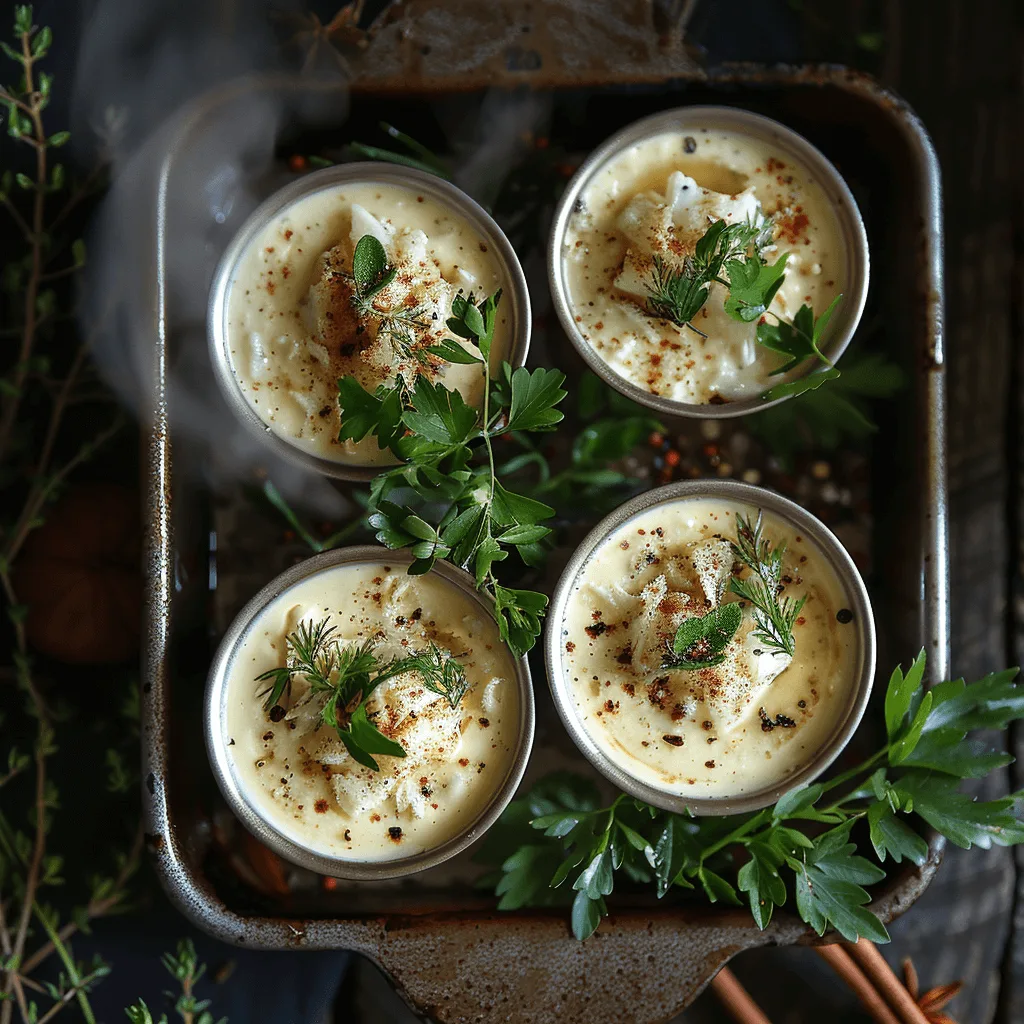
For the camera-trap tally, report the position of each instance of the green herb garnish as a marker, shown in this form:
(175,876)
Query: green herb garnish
(733,255)
(825,418)
(371,274)
(678,294)
(587,486)
(187,971)
(774,618)
(417,155)
(561,833)
(344,678)
(440,672)
(446,500)
(700,642)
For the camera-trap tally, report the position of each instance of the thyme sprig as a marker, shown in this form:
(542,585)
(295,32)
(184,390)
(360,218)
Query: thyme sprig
(41,378)
(560,831)
(187,971)
(774,617)
(343,677)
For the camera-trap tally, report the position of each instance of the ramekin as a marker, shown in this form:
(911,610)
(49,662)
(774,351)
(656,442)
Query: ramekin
(691,120)
(803,523)
(215,712)
(514,290)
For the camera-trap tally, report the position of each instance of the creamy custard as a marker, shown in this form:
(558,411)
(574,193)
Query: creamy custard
(740,726)
(657,198)
(297,773)
(293,332)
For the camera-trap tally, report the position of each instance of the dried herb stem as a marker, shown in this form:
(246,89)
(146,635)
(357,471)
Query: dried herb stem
(36,238)
(44,488)
(27,850)
(16,981)
(94,909)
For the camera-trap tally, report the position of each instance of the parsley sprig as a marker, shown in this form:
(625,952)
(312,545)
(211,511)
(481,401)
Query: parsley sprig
(774,617)
(584,485)
(343,678)
(679,293)
(734,255)
(805,845)
(446,500)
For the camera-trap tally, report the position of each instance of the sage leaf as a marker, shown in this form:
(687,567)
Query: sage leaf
(700,642)
(369,264)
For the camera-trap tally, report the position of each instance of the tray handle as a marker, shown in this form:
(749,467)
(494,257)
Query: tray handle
(528,967)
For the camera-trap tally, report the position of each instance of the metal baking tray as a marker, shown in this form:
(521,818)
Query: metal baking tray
(448,952)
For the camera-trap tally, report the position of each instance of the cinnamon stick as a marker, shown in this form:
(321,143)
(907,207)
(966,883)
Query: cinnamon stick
(881,974)
(845,966)
(735,998)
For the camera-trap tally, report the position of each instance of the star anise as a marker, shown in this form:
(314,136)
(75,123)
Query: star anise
(935,999)
(321,45)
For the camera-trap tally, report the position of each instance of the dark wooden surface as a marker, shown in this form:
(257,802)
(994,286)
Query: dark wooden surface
(959,64)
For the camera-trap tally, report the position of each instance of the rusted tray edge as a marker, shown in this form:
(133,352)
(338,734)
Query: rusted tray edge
(375,936)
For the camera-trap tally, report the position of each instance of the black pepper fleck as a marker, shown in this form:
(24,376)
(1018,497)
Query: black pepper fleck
(780,721)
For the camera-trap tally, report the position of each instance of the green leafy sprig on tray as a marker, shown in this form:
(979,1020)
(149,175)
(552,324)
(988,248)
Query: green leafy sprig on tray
(560,845)
(416,154)
(826,418)
(588,485)
(304,533)
(446,500)
(733,255)
(343,679)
